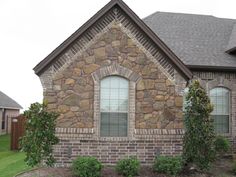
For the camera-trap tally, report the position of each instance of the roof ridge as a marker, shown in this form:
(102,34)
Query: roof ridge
(188,14)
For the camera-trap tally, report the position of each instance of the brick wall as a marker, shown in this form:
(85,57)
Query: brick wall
(146,144)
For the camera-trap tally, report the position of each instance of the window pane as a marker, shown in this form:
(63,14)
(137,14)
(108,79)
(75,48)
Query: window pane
(221,123)
(113,124)
(220,99)
(123,105)
(114,81)
(114,94)
(114,106)
(105,105)
(105,93)
(123,94)
(105,83)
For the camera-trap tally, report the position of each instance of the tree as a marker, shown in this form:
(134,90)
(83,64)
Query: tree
(199,135)
(39,136)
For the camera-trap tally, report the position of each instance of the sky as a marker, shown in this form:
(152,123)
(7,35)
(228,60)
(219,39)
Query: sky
(31,29)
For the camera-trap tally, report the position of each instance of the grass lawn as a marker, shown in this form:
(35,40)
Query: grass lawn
(11,162)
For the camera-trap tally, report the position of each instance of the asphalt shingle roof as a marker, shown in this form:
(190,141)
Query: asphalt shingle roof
(7,102)
(232,40)
(198,40)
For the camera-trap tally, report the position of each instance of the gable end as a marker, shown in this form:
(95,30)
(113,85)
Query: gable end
(114,11)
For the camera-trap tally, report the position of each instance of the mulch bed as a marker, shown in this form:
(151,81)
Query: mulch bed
(106,172)
(222,166)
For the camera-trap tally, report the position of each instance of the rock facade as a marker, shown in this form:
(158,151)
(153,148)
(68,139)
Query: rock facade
(157,103)
(155,108)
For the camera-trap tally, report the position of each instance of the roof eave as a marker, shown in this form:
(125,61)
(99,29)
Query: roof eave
(6,107)
(232,50)
(212,68)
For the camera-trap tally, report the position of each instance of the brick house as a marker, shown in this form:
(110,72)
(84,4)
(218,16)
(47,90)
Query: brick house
(118,82)
(8,108)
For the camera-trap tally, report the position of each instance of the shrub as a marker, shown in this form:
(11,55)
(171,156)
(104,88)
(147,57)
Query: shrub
(86,167)
(168,165)
(222,145)
(234,168)
(198,145)
(128,167)
(39,136)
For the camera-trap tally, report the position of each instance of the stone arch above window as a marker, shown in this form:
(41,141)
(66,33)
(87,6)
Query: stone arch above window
(115,69)
(220,82)
(132,78)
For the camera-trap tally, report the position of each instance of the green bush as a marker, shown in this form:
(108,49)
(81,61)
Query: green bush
(128,167)
(39,138)
(234,168)
(198,143)
(222,145)
(86,167)
(168,165)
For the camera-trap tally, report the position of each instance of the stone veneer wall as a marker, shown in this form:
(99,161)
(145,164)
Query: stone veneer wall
(157,103)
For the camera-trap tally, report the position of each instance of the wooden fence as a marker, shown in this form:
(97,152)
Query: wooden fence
(17,131)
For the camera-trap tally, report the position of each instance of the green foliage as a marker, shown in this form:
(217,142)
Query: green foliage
(234,168)
(128,167)
(199,134)
(86,167)
(168,165)
(222,145)
(40,135)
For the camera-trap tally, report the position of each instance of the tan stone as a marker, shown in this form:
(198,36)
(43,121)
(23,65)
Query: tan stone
(140,94)
(170,102)
(160,98)
(80,64)
(147,116)
(50,99)
(115,43)
(140,85)
(69,114)
(130,42)
(74,108)
(70,81)
(146,70)
(158,105)
(160,86)
(84,105)
(57,87)
(179,115)
(77,72)
(149,84)
(169,82)
(90,68)
(100,52)
(72,100)
(170,125)
(131,58)
(90,59)
(179,101)
(127,64)
(63,108)
(147,108)
(51,106)
(85,95)
(142,125)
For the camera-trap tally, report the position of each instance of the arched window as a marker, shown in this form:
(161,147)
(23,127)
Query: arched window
(114,96)
(221,113)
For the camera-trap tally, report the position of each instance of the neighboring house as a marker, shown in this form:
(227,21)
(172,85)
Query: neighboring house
(8,109)
(118,82)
